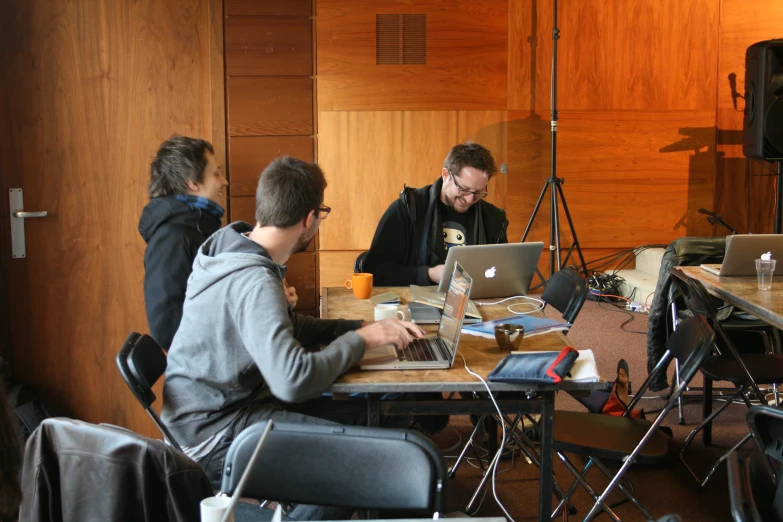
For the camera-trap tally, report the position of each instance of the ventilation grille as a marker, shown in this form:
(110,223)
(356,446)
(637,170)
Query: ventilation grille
(400,39)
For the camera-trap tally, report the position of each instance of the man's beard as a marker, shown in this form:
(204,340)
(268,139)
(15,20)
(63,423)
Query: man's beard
(451,203)
(304,240)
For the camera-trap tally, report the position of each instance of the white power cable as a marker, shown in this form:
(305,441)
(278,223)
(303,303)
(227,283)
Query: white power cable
(540,304)
(494,464)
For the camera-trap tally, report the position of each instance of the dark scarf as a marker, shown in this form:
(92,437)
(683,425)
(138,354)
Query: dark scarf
(431,251)
(202,204)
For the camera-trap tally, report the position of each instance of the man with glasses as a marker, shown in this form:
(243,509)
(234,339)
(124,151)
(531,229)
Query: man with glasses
(238,356)
(417,230)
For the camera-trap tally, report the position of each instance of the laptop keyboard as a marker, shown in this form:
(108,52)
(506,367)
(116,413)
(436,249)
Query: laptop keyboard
(418,350)
(422,350)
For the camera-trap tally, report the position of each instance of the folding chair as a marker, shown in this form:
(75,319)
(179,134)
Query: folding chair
(739,330)
(142,362)
(358,264)
(745,372)
(566,292)
(623,438)
(757,494)
(343,466)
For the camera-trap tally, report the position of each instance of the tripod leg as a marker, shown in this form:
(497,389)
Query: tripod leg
(571,226)
(535,211)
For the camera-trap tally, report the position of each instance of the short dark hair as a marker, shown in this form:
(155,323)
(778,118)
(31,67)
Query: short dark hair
(288,190)
(470,154)
(180,159)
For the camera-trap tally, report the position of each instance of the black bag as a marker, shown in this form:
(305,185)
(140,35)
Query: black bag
(29,407)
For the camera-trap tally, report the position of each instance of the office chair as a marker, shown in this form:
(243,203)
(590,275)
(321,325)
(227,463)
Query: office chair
(358,265)
(566,292)
(142,362)
(342,466)
(75,470)
(745,371)
(755,494)
(599,437)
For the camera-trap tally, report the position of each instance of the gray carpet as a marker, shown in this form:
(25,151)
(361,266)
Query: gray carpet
(663,489)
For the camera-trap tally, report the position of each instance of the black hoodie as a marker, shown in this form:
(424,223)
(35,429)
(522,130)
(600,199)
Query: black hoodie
(173,232)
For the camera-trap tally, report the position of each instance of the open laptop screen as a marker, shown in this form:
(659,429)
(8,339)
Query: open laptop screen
(454,307)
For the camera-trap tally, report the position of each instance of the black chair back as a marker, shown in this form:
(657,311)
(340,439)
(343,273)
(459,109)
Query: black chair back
(358,265)
(142,362)
(345,466)
(696,297)
(566,292)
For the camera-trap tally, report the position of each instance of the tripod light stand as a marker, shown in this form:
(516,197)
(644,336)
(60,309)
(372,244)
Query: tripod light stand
(555,184)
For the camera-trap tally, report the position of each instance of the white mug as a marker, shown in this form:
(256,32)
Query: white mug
(385,311)
(213,509)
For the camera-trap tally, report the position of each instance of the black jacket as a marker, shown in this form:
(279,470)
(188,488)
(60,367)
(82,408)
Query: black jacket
(173,232)
(74,470)
(409,237)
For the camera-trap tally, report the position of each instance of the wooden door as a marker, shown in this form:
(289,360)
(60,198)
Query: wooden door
(91,90)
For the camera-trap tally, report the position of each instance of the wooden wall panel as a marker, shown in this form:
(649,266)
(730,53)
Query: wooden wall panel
(270,106)
(301,275)
(466,68)
(369,156)
(631,177)
(88,77)
(614,55)
(744,191)
(269,46)
(336,266)
(269,7)
(249,156)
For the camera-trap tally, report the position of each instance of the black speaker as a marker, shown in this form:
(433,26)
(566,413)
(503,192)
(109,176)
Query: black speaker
(762,132)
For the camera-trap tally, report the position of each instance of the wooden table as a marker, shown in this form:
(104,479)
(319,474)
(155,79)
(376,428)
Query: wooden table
(743,293)
(481,356)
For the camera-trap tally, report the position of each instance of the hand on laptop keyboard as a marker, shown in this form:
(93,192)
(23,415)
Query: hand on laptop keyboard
(389,331)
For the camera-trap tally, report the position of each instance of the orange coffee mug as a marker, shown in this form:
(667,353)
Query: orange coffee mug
(361,284)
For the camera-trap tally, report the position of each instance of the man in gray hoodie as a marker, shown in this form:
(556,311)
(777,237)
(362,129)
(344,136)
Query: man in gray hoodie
(238,356)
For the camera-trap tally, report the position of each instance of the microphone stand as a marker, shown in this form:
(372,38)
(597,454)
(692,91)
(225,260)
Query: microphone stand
(555,184)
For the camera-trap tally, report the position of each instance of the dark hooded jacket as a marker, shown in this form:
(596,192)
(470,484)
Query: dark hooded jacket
(409,237)
(173,232)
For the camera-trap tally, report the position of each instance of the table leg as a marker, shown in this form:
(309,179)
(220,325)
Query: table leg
(546,425)
(373,409)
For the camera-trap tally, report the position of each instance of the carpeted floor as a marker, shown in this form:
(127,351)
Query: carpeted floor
(664,489)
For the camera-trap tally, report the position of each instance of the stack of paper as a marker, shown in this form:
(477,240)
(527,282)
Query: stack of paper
(533,326)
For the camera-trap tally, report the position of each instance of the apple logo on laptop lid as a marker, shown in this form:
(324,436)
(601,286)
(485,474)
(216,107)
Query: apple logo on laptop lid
(490,273)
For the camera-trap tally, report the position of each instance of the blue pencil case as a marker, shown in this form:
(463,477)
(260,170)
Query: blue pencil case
(535,367)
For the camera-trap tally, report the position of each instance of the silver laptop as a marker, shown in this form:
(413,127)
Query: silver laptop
(434,352)
(501,270)
(742,250)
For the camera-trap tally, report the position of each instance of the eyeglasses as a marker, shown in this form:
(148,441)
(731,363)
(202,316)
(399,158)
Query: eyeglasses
(479,194)
(323,212)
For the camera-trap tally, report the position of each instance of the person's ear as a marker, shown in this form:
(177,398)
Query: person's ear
(308,219)
(444,174)
(193,186)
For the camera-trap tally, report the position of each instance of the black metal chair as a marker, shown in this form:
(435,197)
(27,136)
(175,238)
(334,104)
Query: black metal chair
(343,466)
(358,265)
(566,292)
(744,371)
(756,494)
(142,362)
(623,438)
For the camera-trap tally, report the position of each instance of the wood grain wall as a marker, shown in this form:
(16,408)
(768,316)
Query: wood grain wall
(643,103)
(270,93)
(97,86)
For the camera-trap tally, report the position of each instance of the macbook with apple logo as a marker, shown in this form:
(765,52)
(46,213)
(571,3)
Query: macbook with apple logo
(499,270)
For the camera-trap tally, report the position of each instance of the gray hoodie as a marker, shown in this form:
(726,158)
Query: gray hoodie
(240,342)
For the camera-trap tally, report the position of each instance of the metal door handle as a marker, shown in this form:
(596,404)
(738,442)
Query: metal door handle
(35,214)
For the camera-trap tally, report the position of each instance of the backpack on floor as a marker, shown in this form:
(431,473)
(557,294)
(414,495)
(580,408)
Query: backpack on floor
(28,407)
